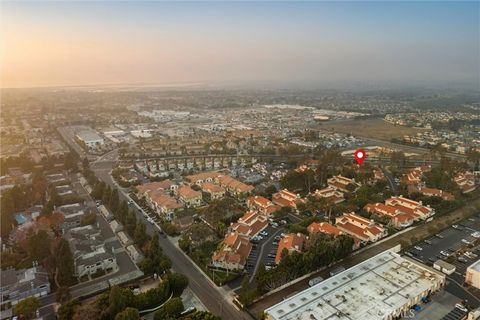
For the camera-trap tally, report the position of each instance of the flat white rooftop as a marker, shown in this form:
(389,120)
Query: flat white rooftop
(475,266)
(373,289)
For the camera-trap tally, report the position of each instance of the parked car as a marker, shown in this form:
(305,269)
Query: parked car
(264,233)
(418,248)
(461,307)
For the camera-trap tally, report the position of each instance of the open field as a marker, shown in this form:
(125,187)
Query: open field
(371,128)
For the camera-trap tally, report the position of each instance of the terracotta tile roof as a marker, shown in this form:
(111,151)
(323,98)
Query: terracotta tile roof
(212,188)
(250,224)
(291,242)
(234,249)
(202,176)
(233,184)
(324,227)
(186,192)
(286,198)
(259,201)
(163,200)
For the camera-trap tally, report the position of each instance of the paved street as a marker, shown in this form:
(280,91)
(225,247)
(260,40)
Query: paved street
(210,295)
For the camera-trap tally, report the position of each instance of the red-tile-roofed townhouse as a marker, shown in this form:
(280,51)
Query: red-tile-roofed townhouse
(285,198)
(202,177)
(262,204)
(189,197)
(290,242)
(233,186)
(233,252)
(406,205)
(465,182)
(330,194)
(215,191)
(163,204)
(398,219)
(250,224)
(361,228)
(342,183)
(324,227)
(432,192)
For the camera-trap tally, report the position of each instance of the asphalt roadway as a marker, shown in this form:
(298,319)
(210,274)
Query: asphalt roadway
(215,299)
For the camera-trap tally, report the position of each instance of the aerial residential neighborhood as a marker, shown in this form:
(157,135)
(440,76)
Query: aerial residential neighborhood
(277,160)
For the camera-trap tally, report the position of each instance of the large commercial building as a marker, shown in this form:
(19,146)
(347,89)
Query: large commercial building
(472,276)
(90,138)
(381,287)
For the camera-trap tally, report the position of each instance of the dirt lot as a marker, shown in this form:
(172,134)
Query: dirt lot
(372,128)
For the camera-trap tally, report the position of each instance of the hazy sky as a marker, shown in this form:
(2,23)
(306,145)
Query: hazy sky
(85,43)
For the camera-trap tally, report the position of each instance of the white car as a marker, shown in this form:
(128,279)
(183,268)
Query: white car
(264,233)
(461,307)
(476,234)
(418,248)
(466,241)
(444,253)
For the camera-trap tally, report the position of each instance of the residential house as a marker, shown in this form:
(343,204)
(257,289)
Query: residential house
(332,195)
(406,205)
(250,224)
(341,183)
(17,285)
(189,197)
(73,214)
(465,181)
(215,191)
(90,253)
(233,186)
(202,177)
(290,242)
(233,252)
(324,227)
(285,198)
(432,192)
(262,205)
(163,204)
(360,228)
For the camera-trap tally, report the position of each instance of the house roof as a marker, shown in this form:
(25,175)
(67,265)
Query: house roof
(186,192)
(291,242)
(324,227)
(211,187)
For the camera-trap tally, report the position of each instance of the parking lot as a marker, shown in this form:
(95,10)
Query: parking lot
(452,245)
(264,251)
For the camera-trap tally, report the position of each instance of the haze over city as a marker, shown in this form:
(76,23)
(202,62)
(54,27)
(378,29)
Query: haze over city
(285,44)
(274,160)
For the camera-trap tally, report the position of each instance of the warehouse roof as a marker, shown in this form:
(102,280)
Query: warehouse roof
(372,290)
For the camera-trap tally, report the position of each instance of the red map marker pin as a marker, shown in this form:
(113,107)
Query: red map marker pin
(360,156)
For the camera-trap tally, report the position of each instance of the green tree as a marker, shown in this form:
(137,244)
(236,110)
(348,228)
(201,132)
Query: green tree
(116,301)
(178,282)
(130,222)
(67,309)
(128,314)
(140,234)
(27,307)
(7,209)
(171,309)
(64,264)
(38,245)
